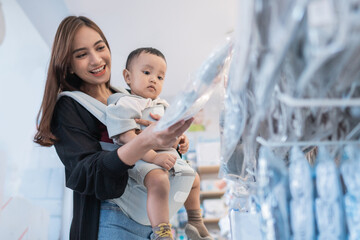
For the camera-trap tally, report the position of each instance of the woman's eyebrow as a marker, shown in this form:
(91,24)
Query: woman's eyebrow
(98,42)
(80,49)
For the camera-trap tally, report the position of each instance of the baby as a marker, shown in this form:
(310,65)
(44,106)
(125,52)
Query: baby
(145,73)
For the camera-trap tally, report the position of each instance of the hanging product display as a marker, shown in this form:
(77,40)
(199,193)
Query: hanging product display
(302,196)
(200,87)
(350,168)
(328,203)
(292,78)
(272,192)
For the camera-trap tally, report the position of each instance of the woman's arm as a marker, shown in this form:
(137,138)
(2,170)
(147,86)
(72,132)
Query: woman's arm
(164,160)
(126,137)
(150,139)
(89,170)
(120,115)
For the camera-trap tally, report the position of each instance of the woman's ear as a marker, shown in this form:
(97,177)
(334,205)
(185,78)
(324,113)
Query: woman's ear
(70,70)
(126,75)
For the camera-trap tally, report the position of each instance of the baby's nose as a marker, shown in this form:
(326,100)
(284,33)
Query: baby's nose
(153,79)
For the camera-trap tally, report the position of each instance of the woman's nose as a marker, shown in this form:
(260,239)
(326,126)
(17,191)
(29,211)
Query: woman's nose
(95,59)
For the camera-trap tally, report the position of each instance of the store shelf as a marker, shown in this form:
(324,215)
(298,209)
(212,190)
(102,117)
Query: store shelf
(211,220)
(208,169)
(211,197)
(211,194)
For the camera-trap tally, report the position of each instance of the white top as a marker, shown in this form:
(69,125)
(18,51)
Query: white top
(123,108)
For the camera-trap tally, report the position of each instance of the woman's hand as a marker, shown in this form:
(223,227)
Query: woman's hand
(168,137)
(149,139)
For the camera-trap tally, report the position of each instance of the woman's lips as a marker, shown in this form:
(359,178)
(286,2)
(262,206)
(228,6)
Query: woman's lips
(99,71)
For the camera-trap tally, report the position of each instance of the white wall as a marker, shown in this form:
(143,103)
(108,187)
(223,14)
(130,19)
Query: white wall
(185,31)
(31,173)
(23,60)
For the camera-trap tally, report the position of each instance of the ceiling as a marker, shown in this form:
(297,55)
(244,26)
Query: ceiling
(185,31)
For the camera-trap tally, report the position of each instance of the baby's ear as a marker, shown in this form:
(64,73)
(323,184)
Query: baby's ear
(126,75)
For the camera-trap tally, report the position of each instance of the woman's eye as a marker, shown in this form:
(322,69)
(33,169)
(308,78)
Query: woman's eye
(81,55)
(100,48)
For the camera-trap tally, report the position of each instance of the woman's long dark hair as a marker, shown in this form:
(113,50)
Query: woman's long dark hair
(59,77)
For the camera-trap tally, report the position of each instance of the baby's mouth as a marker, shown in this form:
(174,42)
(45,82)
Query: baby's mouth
(152,87)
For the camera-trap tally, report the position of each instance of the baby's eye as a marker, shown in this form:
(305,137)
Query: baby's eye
(160,78)
(146,72)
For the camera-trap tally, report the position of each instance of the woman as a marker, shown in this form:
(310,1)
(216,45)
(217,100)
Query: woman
(81,60)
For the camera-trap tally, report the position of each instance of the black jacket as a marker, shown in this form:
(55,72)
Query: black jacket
(92,173)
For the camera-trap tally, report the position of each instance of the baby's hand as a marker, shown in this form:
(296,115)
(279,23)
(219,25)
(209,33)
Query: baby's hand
(146,123)
(165,160)
(183,144)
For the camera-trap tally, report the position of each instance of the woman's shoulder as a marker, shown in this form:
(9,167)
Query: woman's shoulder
(69,110)
(67,104)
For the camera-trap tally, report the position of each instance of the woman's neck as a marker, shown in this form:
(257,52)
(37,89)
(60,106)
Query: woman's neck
(99,92)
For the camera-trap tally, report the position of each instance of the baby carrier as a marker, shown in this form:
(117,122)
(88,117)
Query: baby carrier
(133,201)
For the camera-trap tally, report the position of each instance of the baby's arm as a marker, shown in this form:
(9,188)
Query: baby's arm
(164,160)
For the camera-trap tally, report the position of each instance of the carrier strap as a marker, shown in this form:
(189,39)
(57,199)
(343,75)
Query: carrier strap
(108,146)
(94,106)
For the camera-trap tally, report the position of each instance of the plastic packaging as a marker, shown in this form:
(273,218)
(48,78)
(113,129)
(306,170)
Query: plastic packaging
(182,217)
(325,47)
(278,22)
(273,196)
(244,213)
(235,115)
(199,89)
(350,169)
(328,203)
(302,196)
(235,103)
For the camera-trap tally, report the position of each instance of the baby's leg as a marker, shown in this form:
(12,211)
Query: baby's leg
(158,187)
(195,229)
(193,200)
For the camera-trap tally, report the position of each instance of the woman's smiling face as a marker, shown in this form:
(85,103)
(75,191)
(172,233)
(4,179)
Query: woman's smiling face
(91,58)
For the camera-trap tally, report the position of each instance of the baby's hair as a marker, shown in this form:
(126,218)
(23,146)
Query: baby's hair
(137,52)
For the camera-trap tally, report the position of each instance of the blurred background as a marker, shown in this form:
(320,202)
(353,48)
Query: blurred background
(33,201)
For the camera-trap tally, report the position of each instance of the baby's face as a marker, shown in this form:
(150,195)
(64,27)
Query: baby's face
(146,75)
